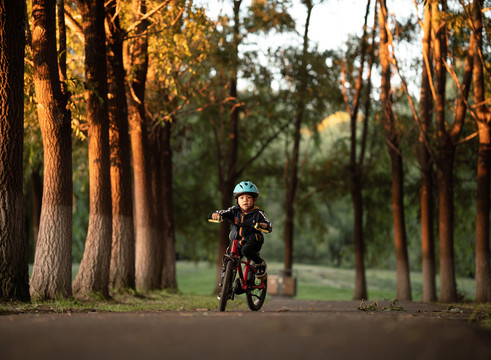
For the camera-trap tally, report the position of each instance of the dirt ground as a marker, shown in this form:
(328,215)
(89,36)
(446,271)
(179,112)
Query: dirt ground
(283,329)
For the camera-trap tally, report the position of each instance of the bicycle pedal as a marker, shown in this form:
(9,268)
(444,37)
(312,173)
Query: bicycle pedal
(263,276)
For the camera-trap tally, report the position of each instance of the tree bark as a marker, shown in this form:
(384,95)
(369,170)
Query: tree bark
(122,268)
(291,167)
(426,170)
(392,139)
(483,266)
(52,270)
(14,278)
(146,264)
(447,141)
(169,274)
(356,165)
(93,275)
(37,201)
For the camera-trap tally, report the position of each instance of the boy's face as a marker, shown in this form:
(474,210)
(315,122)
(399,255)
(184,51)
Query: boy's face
(246,201)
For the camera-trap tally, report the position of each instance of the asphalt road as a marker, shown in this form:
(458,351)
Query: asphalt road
(284,329)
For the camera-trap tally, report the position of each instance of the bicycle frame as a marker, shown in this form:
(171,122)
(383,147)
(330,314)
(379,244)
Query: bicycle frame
(243,273)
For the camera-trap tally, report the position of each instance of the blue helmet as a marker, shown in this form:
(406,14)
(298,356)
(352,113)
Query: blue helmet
(246,187)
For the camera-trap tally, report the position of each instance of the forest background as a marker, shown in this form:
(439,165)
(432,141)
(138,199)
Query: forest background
(283,115)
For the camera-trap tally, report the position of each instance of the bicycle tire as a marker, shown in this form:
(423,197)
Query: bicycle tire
(256,297)
(226,285)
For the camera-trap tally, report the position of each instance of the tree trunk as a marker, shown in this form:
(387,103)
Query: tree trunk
(169,275)
(93,275)
(291,174)
(14,278)
(448,289)
(154,144)
(122,269)
(52,270)
(37,201)
(146,265)
(483,266)
(392,138)
(228,177)
(360,291)
(426,170)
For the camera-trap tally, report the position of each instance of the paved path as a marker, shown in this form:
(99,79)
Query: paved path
(285,329)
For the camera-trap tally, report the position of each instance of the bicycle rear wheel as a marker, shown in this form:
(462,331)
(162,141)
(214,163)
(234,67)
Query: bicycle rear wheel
(226,284)
(256,297)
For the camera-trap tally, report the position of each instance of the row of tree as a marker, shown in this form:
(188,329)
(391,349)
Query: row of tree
(146,70)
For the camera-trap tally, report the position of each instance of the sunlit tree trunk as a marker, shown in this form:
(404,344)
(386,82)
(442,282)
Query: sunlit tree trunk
(14,282)
(122,269)
(483,266)
(426,168)
(146,264)
(402,263)
(93,275)
(447,142)
(52,270)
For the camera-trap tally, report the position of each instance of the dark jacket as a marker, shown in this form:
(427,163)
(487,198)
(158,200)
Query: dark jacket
(243,223)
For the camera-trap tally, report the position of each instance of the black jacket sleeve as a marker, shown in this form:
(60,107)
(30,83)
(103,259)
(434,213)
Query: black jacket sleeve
(262,218)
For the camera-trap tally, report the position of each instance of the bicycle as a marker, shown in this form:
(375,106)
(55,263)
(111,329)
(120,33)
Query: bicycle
(247,282)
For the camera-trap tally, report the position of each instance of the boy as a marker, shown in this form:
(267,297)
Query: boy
(244,216)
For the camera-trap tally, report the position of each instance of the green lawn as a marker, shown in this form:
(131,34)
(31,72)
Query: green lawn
(316,282)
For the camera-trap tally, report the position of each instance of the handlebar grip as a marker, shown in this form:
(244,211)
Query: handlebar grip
(220,219)
(214,221)
(259,228)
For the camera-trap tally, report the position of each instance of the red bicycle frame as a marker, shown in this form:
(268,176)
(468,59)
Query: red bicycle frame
(242,274)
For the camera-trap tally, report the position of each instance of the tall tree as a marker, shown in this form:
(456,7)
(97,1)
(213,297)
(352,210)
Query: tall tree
(448,135)
(483,266)
(14,282)
(169,275)
(227,164)
(291,173)
(231,107)
(356,161)
(136,64)
(426,166)
(393,143)
(174,83)
(52,270)
(93,275)
(122,269)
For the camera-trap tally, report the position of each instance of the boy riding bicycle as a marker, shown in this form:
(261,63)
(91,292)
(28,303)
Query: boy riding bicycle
(246,217)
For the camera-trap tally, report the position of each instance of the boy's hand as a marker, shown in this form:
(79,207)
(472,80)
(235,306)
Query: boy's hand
(215,216)
(263,225)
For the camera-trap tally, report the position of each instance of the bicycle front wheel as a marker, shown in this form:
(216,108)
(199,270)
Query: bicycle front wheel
(226,284)
(256,297)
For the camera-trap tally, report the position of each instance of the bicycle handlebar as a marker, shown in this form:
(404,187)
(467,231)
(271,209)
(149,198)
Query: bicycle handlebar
(259,228)
(255,226)
(215,221)
(219,220)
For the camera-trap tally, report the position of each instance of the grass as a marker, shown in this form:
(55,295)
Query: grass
(196,282)
(316,282)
